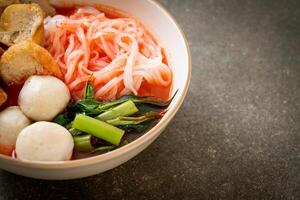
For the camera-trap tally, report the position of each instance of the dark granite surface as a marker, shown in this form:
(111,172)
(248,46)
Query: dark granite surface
(237,134)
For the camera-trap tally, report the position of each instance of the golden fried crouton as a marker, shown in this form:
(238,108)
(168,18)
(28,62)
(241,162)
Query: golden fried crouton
(5,3)
(20,22)
(24,59)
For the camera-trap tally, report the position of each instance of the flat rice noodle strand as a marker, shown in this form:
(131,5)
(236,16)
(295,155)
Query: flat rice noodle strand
(119,53)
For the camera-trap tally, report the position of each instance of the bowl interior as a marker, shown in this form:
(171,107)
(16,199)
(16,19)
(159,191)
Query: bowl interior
(164,28)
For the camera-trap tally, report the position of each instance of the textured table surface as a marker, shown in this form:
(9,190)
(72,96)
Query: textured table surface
(237,134)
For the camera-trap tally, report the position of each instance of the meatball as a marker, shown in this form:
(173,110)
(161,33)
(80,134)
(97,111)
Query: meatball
(12,121)
(44,141)
(43,97)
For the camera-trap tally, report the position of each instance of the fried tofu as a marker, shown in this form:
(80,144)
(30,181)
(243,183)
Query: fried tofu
(45,5)
(1,51)
(25,59)
(4,3)
(20,22)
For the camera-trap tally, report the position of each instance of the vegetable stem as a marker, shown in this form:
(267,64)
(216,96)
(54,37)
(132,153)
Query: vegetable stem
(75,132)
(89,90)
(104,148)
(83,143)
(121,121)
(98,129)
(125,109)
(108,105)
(137,100)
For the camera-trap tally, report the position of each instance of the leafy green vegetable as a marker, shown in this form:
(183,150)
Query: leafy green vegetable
(104,148)
(137,100)
(62,119)
(125,109)
(87,106)
(88,91)
(75,132)
(137,128)
(130,113)
(145,108)
(111,104)
(121,121)
(91,107)
(149,100)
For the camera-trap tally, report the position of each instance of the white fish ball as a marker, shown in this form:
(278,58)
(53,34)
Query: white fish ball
(43,97)
(12,121)
(44,141)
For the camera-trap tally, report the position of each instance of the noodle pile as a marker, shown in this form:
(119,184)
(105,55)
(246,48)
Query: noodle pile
(118,53)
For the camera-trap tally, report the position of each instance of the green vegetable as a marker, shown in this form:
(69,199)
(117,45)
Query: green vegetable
(125,109)
(83,143)
(62,119)
(121,121)
(87,107)
(104,148)
(108,105)
(136,99)
(130,113)
(145,108)
(91,107)
(87,143)
(136,128)
(75,132)
(88,91)
(149,100)
(98,129)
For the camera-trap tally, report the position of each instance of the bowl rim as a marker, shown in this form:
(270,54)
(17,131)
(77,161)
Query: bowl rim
(132,145)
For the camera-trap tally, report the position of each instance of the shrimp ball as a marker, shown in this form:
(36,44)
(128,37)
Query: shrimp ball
(12,121)
(44,141)
(43,97)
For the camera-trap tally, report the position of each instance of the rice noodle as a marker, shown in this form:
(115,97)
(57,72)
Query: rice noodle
(118,53)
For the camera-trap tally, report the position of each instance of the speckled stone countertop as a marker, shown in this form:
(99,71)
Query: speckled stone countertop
(237,135)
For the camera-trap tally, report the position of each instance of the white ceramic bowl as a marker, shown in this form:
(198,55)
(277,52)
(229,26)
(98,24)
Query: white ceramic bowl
(164,27)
